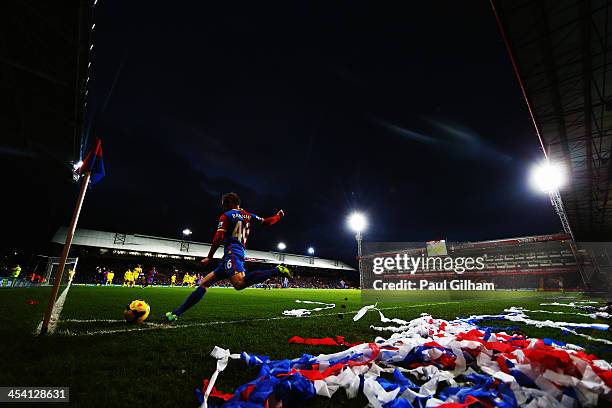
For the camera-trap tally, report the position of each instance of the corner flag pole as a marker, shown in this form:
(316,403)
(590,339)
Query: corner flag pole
(65,251)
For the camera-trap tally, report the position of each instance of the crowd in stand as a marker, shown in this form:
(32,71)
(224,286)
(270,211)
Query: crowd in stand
(299,281)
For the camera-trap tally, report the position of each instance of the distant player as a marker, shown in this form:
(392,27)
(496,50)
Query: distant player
(99,273)
(232,232)
(127,277)
(109,278)
(137,274)
(151,276)
(70,275)
(173,279)
(186,278)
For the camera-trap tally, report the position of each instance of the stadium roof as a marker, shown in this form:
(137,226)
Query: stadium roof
(561,51)
(43,67)
(44,54)
(146,245)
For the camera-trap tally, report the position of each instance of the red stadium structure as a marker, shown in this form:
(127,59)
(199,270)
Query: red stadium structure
(560,53)
(533,262)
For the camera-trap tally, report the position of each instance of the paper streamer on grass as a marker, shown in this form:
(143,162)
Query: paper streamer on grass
(431,363)
(581,305)
(222,356)
(306,312)
(595,315)
(361,312)
(570,304)
(566,327)
(325,341)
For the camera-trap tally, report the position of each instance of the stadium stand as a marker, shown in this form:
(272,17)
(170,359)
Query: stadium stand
(536,262)
(101,251)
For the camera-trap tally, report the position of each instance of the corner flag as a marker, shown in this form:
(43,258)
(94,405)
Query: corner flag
(94,163)
(92,171)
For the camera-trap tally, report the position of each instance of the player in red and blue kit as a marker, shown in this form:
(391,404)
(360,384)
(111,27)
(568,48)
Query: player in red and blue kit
(232,232)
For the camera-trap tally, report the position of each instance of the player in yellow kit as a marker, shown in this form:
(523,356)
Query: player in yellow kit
(127,277)
(173,279)
(186,279)
(70,275)
(109,277)
(139,276)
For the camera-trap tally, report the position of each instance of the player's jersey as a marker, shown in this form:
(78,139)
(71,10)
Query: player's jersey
(236,224)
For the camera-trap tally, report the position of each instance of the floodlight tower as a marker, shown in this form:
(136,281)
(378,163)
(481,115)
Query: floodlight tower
(548,177)
(357,222)
(311,253)
(184,243)
(281,247)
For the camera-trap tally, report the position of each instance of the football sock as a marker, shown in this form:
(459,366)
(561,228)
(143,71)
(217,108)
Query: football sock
(191,300)
(254,277)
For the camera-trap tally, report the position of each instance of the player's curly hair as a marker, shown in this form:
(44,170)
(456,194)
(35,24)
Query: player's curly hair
(230,200)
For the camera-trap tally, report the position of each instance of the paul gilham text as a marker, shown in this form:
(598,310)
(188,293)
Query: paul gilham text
(423,284)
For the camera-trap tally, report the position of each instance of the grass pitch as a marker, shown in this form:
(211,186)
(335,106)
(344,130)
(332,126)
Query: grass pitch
(105,361)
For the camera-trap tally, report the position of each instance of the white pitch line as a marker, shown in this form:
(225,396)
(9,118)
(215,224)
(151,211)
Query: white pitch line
(92,320)
(162,326)
(55,313)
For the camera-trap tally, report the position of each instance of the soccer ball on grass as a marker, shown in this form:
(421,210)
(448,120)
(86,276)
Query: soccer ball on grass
(137,311)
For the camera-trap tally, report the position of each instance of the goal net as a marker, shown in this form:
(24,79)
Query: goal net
(46,267)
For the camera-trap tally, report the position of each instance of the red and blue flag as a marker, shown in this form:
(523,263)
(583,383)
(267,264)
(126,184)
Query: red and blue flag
(94,163)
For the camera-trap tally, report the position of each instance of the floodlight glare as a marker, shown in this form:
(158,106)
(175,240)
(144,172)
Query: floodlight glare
(311,251)
(357,222)
(281,246)
(547,177)
(186,232)
(78,165)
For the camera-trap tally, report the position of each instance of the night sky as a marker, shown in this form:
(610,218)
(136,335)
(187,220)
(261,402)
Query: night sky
(409,112)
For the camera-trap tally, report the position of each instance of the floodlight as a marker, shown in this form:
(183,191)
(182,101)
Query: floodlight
(357,222)
(281,246)
(547,177)
(311,250)
(187,232)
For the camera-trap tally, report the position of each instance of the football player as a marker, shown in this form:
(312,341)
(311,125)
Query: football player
(232,233)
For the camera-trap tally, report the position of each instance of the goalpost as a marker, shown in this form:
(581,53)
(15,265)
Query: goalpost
(46,267)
